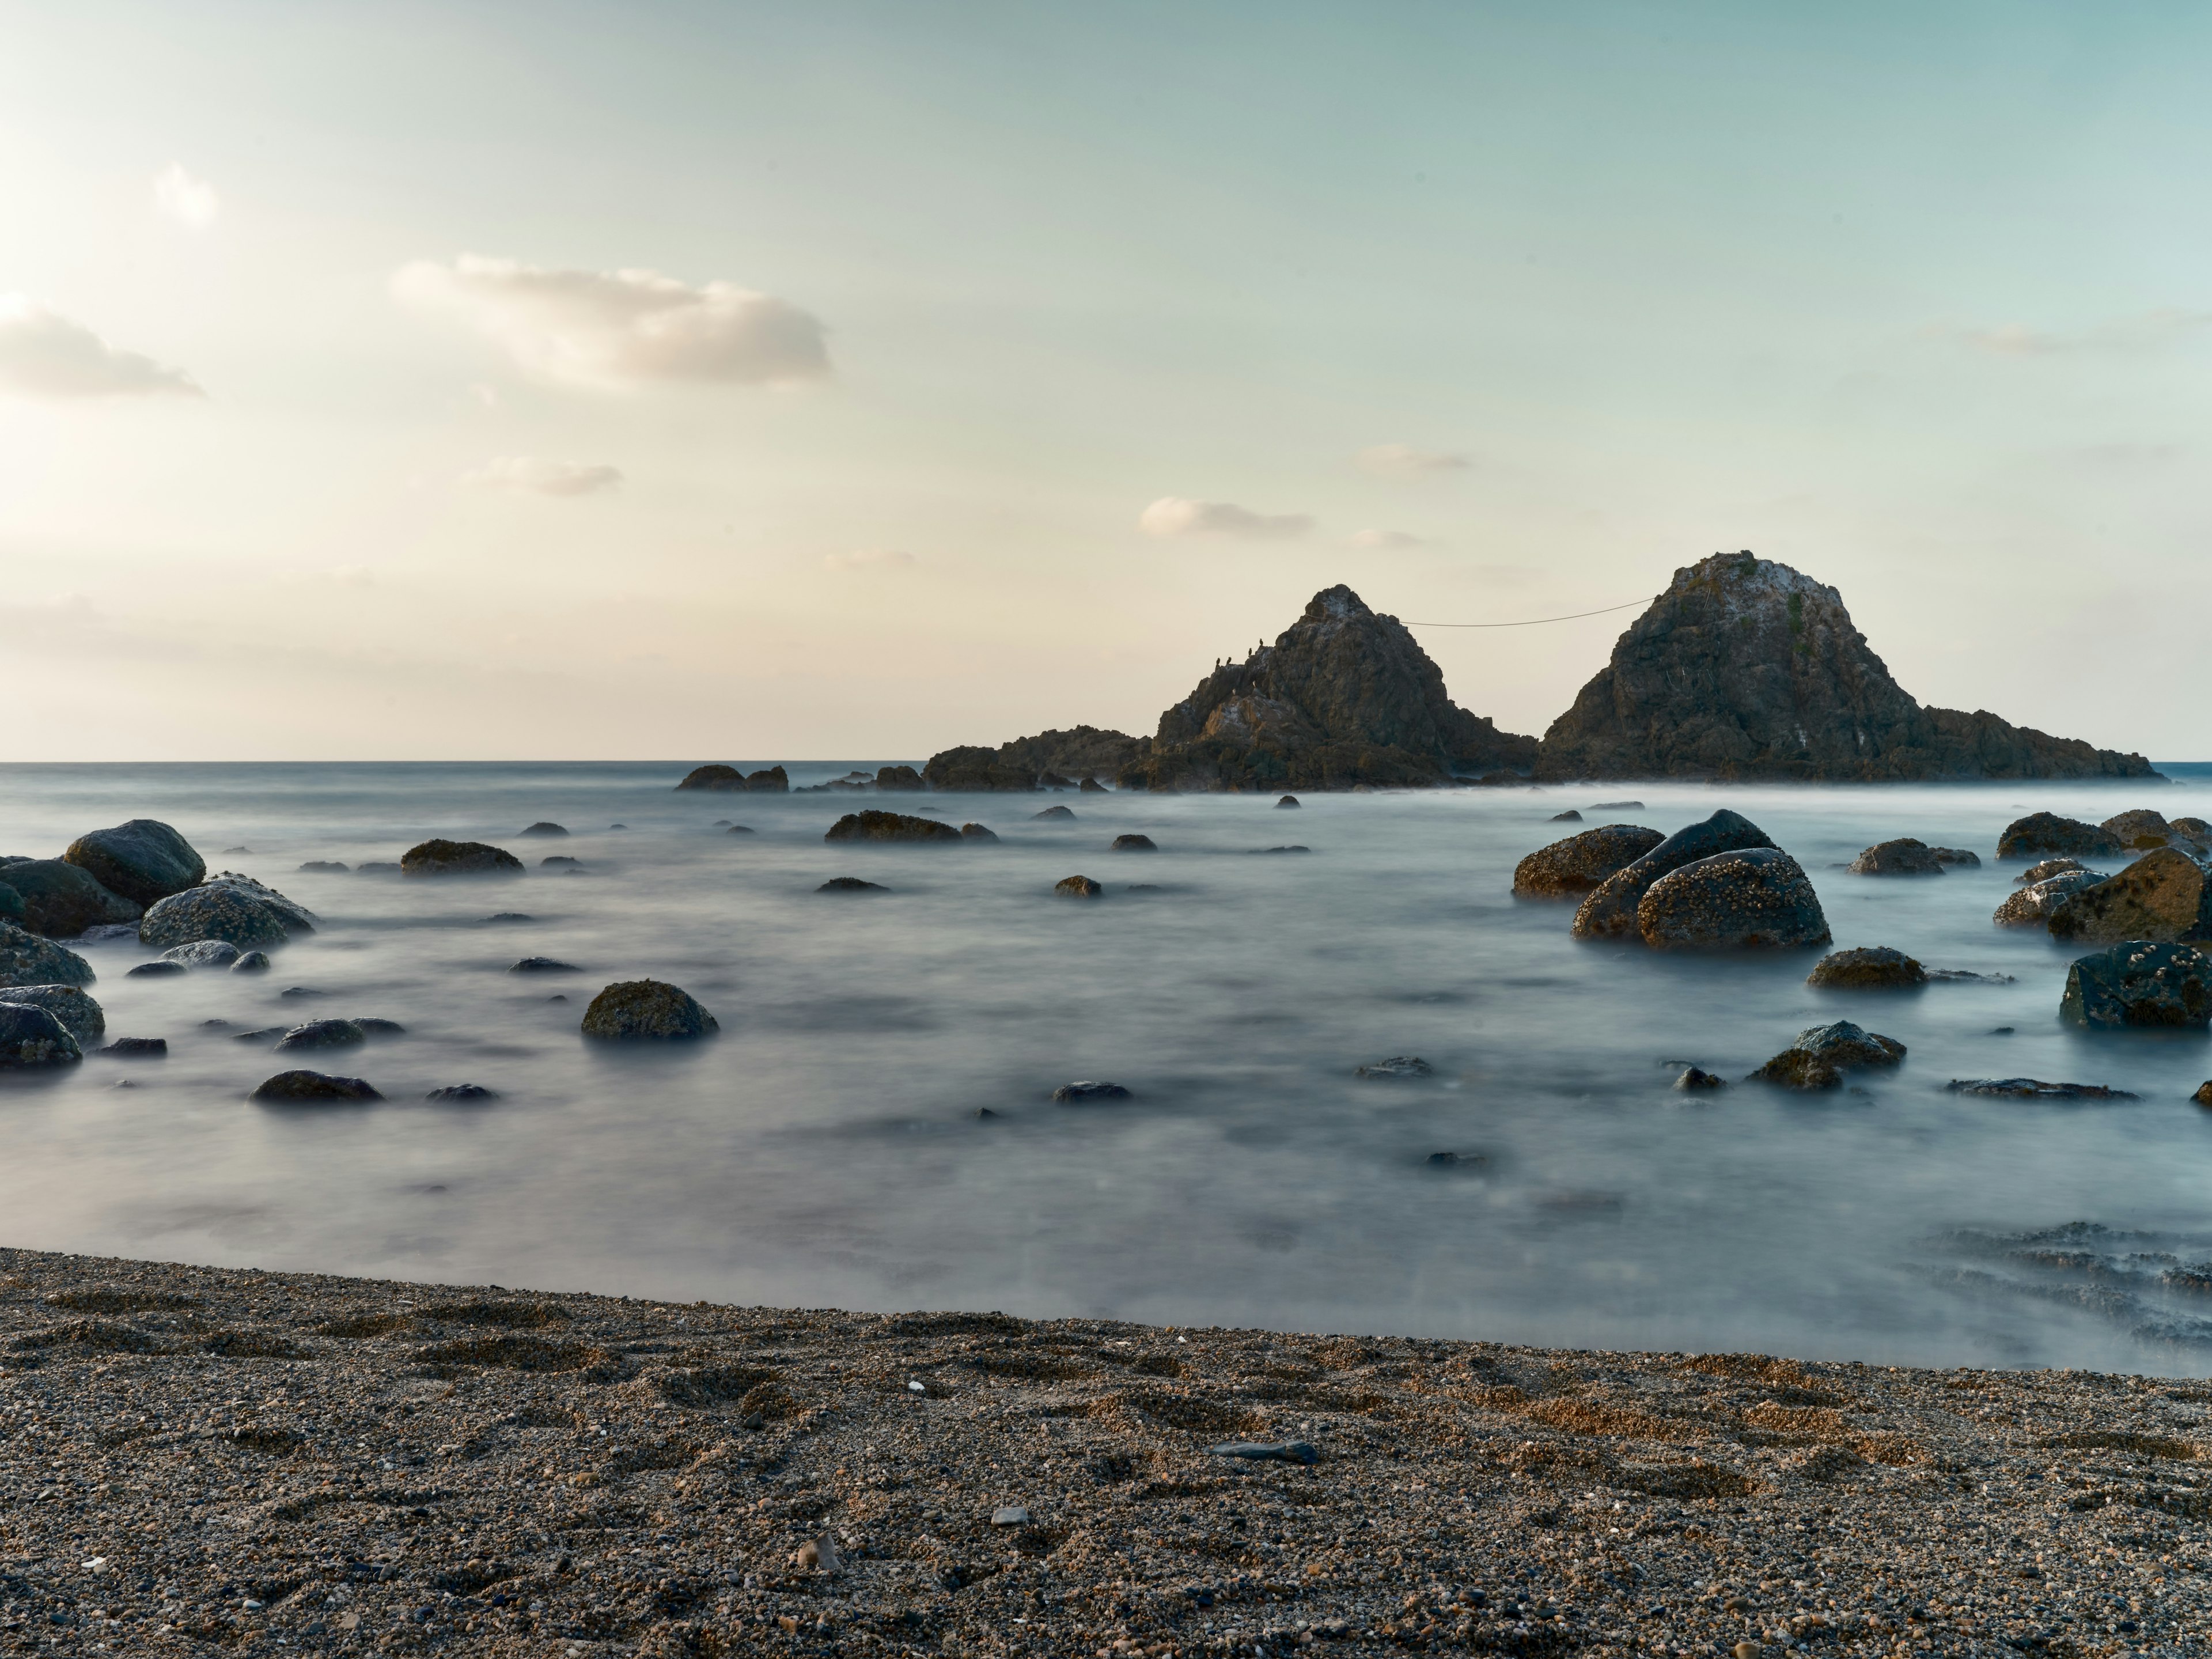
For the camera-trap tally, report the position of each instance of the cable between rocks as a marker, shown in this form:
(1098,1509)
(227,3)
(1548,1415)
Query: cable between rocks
(1533,622)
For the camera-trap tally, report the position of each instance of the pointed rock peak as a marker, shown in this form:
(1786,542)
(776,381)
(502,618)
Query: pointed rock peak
(1337,604)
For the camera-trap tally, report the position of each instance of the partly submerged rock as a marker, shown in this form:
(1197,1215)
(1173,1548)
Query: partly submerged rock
(230,906)
(890,826)
(1054,815)
(325,867)
(1866,968)
(1820,1053)
(2034,905)
(1696,1078)
(137,1048)
(313,1086)
(2042,833)
(559,862)
(1083,751)
(648,1009)
(1745,668)
(2047,868)
(1757,898)
(977,832)
(322,1034)
(143,861)
(2142,985)
(2028,1088)
(1079,1094)
(26,959)
(251,961)
(773,778)
(1079,887)
(1133,844)
(1289,802)
(2140,830)
(851,884)
(1396,1067)
(545,827)
(32,1039)
(1571,867)
(457,858)
(2164,894)
(80,1016)
(202,953)
(1609,912)
(899,777)
(463,1092)
(158,968)
(61,899)
(1568,816)
(1905,857)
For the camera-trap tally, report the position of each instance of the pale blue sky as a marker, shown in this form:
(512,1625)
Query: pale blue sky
(1915,298)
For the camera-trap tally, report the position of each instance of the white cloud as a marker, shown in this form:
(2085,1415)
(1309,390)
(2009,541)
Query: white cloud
(191,202)
(534,477)
(43,355)
(1387,539)
(623,328)
(1405,461)
(868,558)
(1178,515)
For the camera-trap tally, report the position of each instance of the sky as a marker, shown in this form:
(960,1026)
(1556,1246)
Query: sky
(707,382)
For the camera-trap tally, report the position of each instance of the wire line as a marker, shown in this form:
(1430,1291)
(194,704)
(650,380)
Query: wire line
(1533,622)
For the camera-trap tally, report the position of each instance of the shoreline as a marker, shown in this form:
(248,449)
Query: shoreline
(202,1459)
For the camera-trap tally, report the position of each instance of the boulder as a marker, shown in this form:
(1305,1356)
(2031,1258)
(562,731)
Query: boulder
(457,858)
(1568,816)
(453,1091)
(1289,802)
(2140,984)
(156,969)
(851,884)
(26,959)
(890,826)
(323,868)
(1745,669)
(1079,1094)
(143,861)
(322,1034)
(899,777)
(1963,857)
(1133,844)
(251,961)
(543,827)
(313,1086)
(2049,867)
(977,832)
(1697,1078)
(741,829)
(543,966)
(230,906)
(202,953)
(2204,1095)
(2140,830)
(2034,905)
(1394,1069)
(2163,895)
(1733,901)
(379,1028)
(646,1009)
(1609,912)
(2040,833)
(1866,968)
(32,1039)
(12,905)
(1905,857)
(137,1048)
(61,900)
(1819,1057)
(2028,1088)
(1079,887)
(1054,815)
(80,1016)
(1571,867)
(1091,787)
(773,778)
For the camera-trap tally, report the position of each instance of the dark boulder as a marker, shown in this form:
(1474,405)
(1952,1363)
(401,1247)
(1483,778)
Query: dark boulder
(2034,905)
(1091,787)
(1609,912)
(26,959)
(1757,898)
(1395,1069)
(12,905)
(251,961)
(2028,1088)
(313,1086)
(457,858)
(1747,669)
(1079,887)
(379,1028)
(1261,852)
(137,1048)
(2163,895)
(1906,857)
(230,906)
(646,1009)
(899,777)
(2139,985)
(741,829)
(463,1092)
(61,900)
(1572,868)
(2048,868)
(2204,1095)
(1133,844)
(2041,832)
(1819,1055)
(1568,816)
(32,1039)
(1054,815)
(322,1034)
(143,861)
(323,868)
(2140,830)
(543,827)
(1697,1078)
(544,965)
(1866,968)
(156,969)
(80,1016)
(851,884)
(1289,801)
(977,832)
(1964,858)
(890,826)
(1082,751)
(202,953)
(1080,1094)
(773,778)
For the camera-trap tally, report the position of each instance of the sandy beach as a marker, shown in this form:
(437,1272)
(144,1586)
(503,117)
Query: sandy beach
(198,1459)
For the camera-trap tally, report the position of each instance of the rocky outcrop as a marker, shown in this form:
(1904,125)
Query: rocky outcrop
(2139,984)
(30,1039)
(1085,752)
(899,777)
(26,959)
(1745,669)
(2140,830)
(2040,833)
(890,826)
(1866,968)
(2162,895)
(234,908)
(1610,911)
(773,778)
(1344,696)
(1756,899)
(61,900)
(1570,868)
(457,858)
(646,1009)
(81,1017)
(144,860)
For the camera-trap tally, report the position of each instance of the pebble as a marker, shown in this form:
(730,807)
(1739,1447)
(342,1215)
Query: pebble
(1009,1515)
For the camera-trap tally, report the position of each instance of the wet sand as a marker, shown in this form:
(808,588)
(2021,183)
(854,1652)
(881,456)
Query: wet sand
(194,1460)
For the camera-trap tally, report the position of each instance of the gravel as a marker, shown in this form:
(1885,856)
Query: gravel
(195,1460)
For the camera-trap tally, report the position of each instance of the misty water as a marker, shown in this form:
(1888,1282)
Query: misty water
(826,1147)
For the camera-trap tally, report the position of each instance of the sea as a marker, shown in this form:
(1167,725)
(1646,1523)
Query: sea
(873,1125)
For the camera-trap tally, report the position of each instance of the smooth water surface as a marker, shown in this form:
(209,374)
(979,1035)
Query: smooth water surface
(827,1148)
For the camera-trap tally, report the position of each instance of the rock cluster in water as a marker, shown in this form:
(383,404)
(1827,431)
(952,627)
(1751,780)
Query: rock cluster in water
(773,778)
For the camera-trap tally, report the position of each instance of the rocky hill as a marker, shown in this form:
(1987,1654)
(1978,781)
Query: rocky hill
(1053,759)
(1745,669)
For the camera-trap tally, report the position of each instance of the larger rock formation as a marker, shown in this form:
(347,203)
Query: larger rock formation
(1083,751)
(1344,696)
(1747,669)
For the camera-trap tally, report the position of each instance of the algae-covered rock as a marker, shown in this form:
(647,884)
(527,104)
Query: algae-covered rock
(1609,912)
(646,1009)
(1571,867)
(1866,968)
(2163,895)
(2139,984)
(1755,898)
(32,1039)
(233,907)
(72,1004)
(145,861)
(26,959)
(1902,857)
(457,858)
(891,827)
(2041,832)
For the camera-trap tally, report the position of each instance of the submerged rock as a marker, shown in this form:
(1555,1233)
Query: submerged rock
(2048,868)
(1077,1094)
(202,953)
(544,965)
(545,827)
(457,858)
(1696,1078)
(1609,912)
(773,778)
(1079,887)
(851,884)
(2140,985)
(32,1039)
(1819,1057)
(1394,1068)
(61,900)
(1133,844)
(156,969)
(646,1009)
(1905,857)
(251,961)
(1053,815)
(890,826)
(1571,867)
(2028,1088)
(137,1048)
(976,832)
(26,959)
(560,860)
(1757,898)
(313,1086)
(741,829)
(2034,904)
(2046,832)
(322,1034)
(461,1091)
(143,861)
(80,1016)
(2163,895)
(1289,802)
(233,907)
(1866,968)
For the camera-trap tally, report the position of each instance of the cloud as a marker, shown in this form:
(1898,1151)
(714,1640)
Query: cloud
(2146,332)
(533,476)
(43,355)
(1405,461)
(191,202)
(1178,515)
(868,558)
(1387,539)
(623,328)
